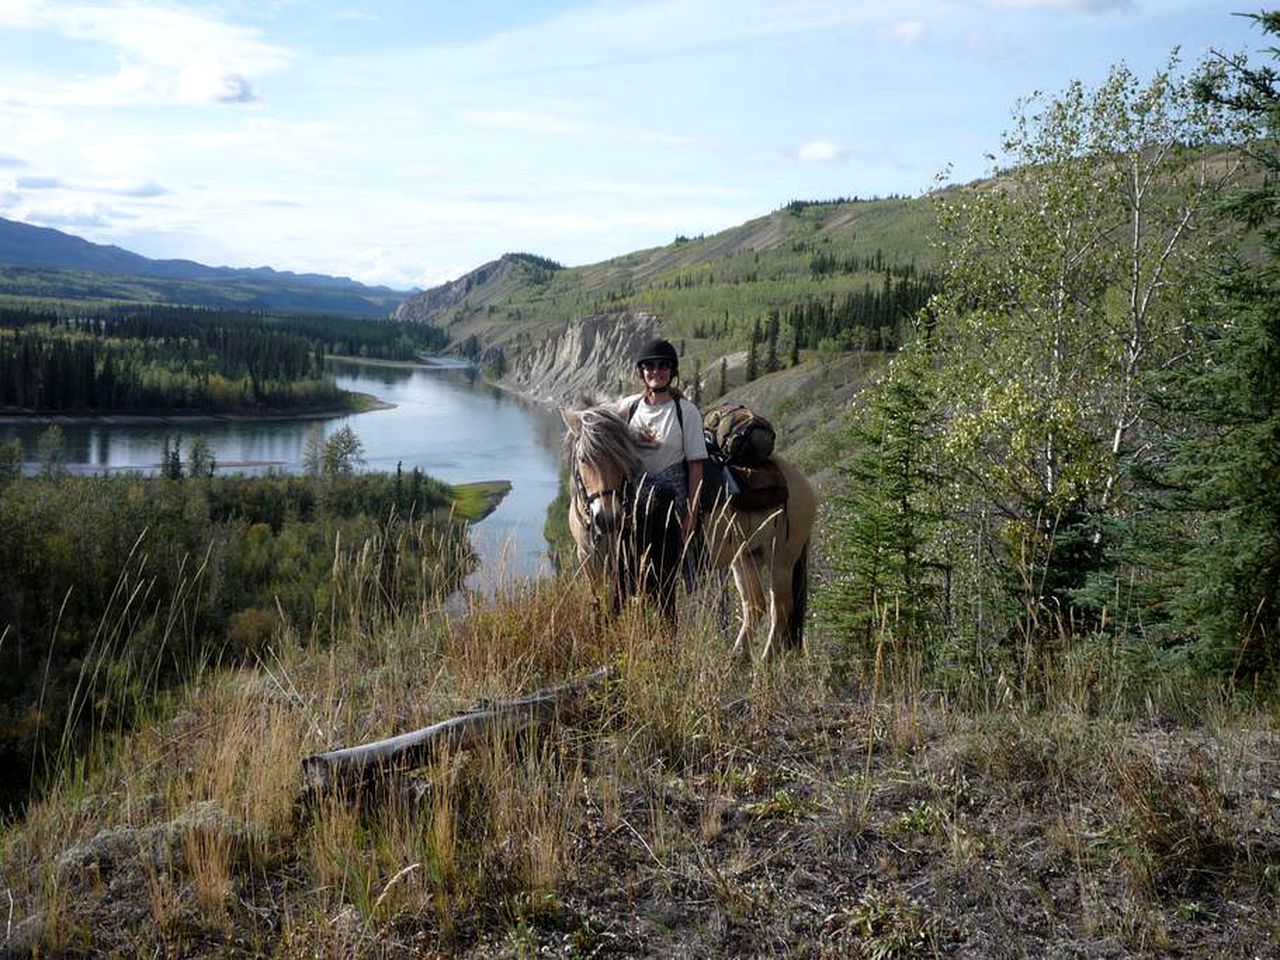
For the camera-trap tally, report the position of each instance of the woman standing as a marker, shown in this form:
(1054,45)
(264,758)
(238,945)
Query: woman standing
(668,429)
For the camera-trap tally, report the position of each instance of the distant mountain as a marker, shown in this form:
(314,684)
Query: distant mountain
(41,262)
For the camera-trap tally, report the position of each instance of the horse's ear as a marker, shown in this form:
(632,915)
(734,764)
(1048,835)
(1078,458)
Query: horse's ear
(572,420)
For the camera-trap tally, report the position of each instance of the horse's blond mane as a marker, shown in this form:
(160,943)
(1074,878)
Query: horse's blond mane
(605,439)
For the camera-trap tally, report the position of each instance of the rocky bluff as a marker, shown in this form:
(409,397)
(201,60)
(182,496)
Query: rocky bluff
(588,357)
(553,362)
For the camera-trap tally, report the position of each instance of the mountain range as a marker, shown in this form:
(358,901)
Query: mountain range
(43,262)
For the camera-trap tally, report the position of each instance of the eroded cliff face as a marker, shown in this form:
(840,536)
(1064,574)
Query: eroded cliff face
(591,356)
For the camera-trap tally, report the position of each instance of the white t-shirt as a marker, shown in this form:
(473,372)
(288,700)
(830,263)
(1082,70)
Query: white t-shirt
(658,432)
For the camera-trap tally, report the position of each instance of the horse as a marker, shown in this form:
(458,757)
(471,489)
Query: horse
(767,550)
(626,531)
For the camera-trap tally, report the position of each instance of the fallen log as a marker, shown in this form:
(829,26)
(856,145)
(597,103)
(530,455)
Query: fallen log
(354,768)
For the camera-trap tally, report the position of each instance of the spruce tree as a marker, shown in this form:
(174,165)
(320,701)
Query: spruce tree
(1228,466)
(10,461)
(771,362)
(753,352)
(884,518)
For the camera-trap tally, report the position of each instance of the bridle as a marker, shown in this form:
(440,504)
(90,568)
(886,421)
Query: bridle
(582,502)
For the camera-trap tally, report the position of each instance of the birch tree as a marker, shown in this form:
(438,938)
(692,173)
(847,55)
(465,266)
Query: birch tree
(1065,279)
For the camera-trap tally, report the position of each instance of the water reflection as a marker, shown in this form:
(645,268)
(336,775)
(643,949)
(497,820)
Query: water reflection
(447,422)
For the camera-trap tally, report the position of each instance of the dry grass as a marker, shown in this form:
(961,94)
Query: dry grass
(698,809)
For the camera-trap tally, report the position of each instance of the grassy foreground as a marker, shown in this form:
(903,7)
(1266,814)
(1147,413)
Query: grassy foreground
(697,810)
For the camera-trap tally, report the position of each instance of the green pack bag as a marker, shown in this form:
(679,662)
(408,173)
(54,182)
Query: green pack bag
(738,434)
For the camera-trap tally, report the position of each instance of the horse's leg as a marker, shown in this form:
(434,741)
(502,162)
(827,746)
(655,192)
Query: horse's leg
(799,599)
(780,604)
(746,576)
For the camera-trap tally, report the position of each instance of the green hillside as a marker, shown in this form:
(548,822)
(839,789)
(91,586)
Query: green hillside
(702,288)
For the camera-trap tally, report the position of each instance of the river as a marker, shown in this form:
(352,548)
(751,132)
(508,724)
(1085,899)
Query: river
(446,421)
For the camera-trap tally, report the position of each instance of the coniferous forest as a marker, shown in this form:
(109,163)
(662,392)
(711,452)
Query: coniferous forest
(146,358)
(120,584)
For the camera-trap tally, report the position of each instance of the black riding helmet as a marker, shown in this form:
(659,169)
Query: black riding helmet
(659,350)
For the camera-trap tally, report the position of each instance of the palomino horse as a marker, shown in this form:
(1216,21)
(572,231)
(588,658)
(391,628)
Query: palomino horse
(624,530)
(767,550)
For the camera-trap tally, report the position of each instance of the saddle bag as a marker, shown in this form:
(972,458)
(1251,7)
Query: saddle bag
(738,434)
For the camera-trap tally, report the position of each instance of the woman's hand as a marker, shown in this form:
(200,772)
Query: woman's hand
(687,525)
(690,521)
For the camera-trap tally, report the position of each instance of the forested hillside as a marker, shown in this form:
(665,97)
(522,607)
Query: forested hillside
(835,275)
(142,359)
(112,588)
(1024,482)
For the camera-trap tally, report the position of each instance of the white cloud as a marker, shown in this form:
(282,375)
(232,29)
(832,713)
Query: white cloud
(358,16)
(119,188)
(996,47)
(288,151)
(143,189)
(165,55)
(819,151)
(72,213)
(38,183)
(378,266)
(209,81)
(613,34)
(1086,6)
(19,13)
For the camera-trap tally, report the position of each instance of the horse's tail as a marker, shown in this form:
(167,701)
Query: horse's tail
(799,600)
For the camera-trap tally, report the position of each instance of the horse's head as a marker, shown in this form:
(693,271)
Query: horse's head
(602,462)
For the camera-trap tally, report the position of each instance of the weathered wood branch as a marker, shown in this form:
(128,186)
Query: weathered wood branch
(354,768)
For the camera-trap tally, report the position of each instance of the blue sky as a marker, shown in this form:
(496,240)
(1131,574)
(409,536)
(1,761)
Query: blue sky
(406,143)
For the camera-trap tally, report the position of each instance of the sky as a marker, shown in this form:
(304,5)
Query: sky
(406,143)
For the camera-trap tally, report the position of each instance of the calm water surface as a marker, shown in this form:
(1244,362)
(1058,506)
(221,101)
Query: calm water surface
(446,421)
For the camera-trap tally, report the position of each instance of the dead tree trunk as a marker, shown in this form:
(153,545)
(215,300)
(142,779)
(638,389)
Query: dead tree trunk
(355,768)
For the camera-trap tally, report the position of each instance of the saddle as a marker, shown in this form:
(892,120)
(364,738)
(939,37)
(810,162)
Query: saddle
(759,486)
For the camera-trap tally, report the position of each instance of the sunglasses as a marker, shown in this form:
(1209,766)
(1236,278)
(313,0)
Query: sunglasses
(648,365)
